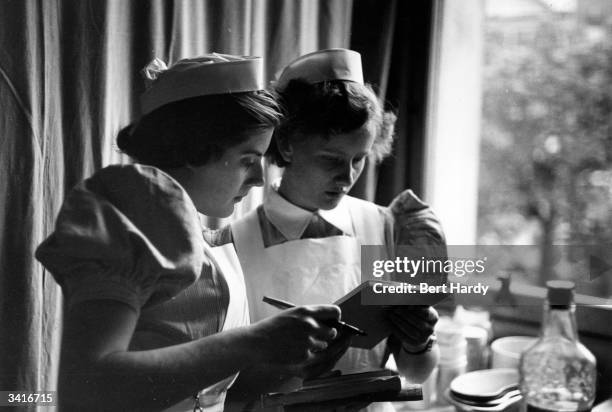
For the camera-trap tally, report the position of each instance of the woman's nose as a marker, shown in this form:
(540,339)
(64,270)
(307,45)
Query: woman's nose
(346,176)
(255,177)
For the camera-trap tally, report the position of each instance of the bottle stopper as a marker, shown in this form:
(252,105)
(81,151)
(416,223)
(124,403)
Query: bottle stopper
(560,292)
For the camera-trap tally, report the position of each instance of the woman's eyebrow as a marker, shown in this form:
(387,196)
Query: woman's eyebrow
(251,152)
(330,152)
(341,153)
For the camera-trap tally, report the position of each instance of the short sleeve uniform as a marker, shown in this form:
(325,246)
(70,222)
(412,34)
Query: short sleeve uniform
(132,234)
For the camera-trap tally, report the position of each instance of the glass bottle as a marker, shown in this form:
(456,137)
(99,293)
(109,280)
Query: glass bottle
(558,373)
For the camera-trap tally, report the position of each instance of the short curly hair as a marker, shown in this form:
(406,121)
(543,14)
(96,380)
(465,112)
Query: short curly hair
(330,108)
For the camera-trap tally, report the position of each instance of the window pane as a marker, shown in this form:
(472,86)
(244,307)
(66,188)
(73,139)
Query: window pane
(546,136)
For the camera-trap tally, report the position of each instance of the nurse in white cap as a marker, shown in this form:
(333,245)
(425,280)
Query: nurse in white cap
(156,316)
(303,243)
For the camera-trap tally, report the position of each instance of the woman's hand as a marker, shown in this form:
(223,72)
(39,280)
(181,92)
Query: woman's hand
(321,361)
(412,328)
(277,377)
(413,325)
(296,336)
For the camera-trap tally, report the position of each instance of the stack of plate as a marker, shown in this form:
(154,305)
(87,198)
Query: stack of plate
(490,390)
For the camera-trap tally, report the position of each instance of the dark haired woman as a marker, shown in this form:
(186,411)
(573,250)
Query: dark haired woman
(156,309)
(303,243)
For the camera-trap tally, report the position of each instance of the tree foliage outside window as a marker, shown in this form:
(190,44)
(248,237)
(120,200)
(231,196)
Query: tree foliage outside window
(546,138)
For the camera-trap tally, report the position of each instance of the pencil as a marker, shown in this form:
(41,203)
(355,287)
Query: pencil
(281,304)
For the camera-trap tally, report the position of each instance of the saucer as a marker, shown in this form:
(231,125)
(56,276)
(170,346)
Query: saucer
(484,386)
(510,404)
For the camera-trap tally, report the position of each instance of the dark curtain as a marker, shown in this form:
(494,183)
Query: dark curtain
(394,38)
(68,81)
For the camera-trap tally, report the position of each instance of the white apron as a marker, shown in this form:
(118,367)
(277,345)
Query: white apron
(225,260)
(311,271)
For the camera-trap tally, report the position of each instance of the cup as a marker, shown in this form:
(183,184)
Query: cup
(506,352)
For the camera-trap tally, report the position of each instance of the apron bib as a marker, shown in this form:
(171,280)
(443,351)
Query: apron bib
(310,271)
(224,258)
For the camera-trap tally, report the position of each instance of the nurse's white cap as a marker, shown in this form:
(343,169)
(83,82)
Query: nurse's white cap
(200,76)
(323,65)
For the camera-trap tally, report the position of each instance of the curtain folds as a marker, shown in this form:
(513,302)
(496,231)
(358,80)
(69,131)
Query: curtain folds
(68,82)
(394,36)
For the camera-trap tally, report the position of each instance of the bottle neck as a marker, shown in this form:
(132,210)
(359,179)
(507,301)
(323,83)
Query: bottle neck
(559,321)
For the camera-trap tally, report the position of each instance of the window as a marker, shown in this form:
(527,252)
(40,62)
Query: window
(520,137)
(545,138)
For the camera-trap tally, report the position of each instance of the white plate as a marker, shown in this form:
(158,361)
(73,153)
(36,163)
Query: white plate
(510,405)
(484,384)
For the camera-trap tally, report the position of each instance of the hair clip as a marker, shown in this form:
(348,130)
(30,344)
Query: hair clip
(151,71)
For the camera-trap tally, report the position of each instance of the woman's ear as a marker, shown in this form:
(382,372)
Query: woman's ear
(285,148)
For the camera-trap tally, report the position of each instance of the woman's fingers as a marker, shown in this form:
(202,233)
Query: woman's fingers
(409,325)
(325,360)
(321,312)
(295,334)
(324,317)
(335,349)
(405,332)
(419,316)
(317,345)
(413,324)
(425,314)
